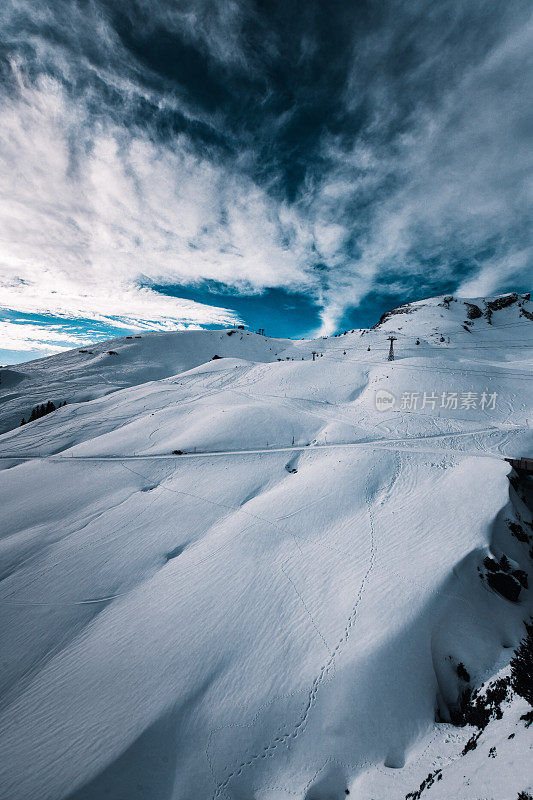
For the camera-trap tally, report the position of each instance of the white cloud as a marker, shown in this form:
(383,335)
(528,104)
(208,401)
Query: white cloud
(447,181)
(494,272)
(30,337)
(88,209)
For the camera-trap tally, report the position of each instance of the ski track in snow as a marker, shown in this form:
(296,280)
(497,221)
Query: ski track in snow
(322,678)
(256,517)
(278,741)
(325,670)
(391,444)
(85,601)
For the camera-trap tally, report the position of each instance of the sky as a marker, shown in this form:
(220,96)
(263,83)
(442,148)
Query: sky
(296,166)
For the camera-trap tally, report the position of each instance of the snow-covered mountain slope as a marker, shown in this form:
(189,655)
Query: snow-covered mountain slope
(473,328)
(102,368)
(294,605)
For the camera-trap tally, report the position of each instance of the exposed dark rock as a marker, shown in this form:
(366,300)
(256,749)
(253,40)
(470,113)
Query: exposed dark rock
(426,783)
(506,585)
(473,311)
(490,564)
(406,309)
(518,532)
(521,576)
(502,302)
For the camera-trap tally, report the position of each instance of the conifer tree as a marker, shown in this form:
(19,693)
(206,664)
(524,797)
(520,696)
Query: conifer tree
(522,670)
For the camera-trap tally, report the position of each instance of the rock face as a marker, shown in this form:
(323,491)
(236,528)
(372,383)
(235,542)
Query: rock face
(506,585)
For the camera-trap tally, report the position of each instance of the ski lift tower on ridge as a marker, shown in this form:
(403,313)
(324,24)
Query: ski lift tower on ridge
(392,339)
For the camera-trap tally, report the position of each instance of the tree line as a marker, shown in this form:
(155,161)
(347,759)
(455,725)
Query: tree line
(42,410)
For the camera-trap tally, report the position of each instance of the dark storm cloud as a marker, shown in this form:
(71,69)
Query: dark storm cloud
(340,149)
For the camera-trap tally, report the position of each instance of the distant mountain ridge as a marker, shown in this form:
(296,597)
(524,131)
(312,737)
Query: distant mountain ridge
(96,370)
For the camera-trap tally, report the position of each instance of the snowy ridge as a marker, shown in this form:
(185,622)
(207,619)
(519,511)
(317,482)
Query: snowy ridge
(240,578)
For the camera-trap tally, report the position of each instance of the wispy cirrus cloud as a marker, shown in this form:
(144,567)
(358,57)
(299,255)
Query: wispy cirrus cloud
(436,187)
(90,211)
(43,339)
